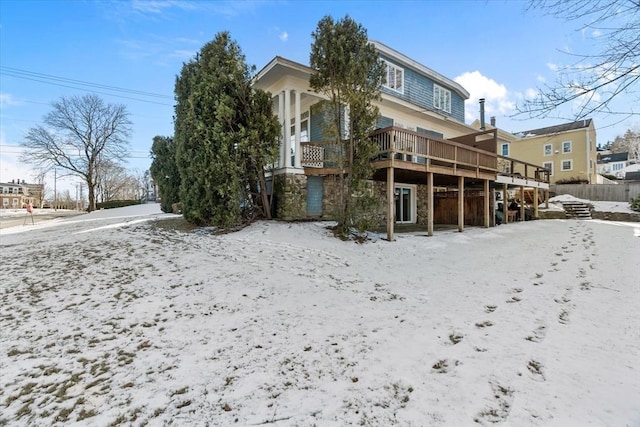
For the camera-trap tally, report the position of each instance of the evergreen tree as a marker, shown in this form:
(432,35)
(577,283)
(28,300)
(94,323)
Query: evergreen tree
(226,137)
(260,148)
(208,129)
(348,71)
(164,171)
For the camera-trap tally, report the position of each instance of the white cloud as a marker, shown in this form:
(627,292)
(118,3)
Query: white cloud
(552,66)
(596,33)
(497,98)
(7,99)
(284,36)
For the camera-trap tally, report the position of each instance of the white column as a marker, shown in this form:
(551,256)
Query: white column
(287,128)
(281,162)
(298,151)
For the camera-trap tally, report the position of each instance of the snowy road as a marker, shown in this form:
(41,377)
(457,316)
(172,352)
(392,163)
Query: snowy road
(110,320)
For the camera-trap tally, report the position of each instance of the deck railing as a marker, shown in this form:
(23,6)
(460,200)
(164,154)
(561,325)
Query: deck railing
(409,146)
(519,169)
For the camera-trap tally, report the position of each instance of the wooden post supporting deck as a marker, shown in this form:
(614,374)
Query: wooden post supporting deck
(487,207)
(430,203)
(535,203)
(390,204)
(546,199)
(461,203)
(505,204)
(522,203)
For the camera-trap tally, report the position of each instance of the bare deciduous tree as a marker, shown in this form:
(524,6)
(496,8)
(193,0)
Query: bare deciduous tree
(80,132)
(593,80)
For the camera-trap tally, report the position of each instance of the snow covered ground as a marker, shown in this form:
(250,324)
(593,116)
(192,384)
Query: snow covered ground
(109,319)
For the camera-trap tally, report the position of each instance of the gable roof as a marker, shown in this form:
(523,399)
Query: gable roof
(614,157)
(419,68)
(556,129)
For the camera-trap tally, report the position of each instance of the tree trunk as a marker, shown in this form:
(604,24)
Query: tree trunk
(266,205)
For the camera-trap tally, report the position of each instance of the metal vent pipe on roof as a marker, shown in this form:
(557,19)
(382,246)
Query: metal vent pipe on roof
(482,126)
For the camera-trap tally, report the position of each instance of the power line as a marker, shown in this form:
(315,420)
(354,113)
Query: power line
(73,84)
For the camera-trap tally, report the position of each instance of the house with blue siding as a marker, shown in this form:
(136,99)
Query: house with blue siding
(432,167)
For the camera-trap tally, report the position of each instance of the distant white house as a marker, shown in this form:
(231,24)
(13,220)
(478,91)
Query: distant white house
(613,164)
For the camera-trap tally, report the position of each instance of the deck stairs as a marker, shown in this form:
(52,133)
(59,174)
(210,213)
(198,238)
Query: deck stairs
(576,210)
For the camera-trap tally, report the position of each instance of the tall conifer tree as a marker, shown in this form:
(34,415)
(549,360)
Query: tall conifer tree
(347,69)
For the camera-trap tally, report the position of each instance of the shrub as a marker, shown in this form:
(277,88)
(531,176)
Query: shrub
(572,180)
(116,204)
(635,204)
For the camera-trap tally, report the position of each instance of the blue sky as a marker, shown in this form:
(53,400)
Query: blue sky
(496,49)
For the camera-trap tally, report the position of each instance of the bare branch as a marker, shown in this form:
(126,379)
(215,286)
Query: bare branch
(81,132)
(594,81)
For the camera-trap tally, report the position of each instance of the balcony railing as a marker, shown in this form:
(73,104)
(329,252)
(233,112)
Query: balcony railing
(517,169)
(409,146)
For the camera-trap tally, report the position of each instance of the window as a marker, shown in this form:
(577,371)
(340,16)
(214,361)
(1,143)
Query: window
(5,202)
(15,202)
(567,165)
(441,98)
(566,147)
(617,166)
(504,149)
(395,78)
(549,167)
(548,149)
(405,203)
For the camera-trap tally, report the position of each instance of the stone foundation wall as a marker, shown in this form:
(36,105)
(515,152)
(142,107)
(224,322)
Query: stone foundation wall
(291,197)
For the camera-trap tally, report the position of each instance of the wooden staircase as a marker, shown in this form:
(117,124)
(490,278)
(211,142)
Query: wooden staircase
(576,210)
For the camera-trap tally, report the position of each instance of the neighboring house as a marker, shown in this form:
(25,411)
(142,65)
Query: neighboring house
(432,167)
(567,150)
(613,164)
(17,194)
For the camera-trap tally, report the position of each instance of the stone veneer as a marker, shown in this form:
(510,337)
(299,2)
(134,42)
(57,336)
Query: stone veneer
(291,194)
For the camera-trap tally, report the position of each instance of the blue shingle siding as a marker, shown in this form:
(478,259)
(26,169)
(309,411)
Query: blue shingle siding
(383,122)
(430,133)
(320,118)
(317,121)
(418,90)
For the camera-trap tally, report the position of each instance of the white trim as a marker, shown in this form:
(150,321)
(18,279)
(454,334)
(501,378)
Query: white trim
(394,54)
(544,150)
(444,97)
(570,147)
(502,148)
(562,165)
(396,70)
(413,193)
(550,169)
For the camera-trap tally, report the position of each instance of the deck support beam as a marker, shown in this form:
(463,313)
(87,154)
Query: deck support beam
(461,203)
(390,204)
(536,215)
(430,203)
(522,203)
(487,200)
(505,204)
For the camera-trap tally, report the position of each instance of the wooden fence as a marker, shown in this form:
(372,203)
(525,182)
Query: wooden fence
(599,192)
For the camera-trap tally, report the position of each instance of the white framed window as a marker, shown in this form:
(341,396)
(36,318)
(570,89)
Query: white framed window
(566,146)
(549,167)
(395,78)
(567,165)
(548,149)
(617,166)
(441,98)
(405,203)
(504,149)
(15,202)
(5,202)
